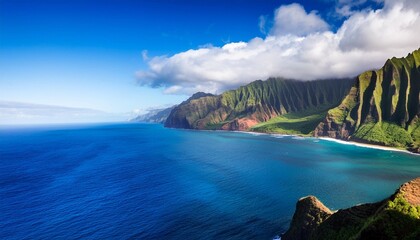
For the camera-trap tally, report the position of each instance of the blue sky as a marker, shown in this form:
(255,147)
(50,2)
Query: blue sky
(117,56)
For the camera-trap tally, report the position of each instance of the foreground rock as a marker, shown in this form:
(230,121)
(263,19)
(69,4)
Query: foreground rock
(310,212)
(397,217)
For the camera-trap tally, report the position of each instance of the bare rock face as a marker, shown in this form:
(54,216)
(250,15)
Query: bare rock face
(329,128)
(240,124)
(310,212)
(411,191)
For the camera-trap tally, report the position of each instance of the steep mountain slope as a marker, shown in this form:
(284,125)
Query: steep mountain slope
(257,102)
(193,108)
(381,108)
(154,116)
(397,217)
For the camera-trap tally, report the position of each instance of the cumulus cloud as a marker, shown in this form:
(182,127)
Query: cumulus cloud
(293,19)
(299,45)
(394,26)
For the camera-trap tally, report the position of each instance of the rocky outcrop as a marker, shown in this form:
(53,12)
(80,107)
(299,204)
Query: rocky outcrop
(310,212)
(381,108)
(397,217)
(257,102)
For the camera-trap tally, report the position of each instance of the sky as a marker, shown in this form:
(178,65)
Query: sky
(107,60)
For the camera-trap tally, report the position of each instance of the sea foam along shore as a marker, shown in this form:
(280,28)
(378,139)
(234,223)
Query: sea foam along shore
(365,145)
(278,135)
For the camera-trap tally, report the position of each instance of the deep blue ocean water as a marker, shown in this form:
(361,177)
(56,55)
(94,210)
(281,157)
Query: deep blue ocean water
(142,181)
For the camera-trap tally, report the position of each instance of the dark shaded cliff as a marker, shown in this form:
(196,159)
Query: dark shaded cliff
(188,111)
(397,217)
(257,102)
(381,108)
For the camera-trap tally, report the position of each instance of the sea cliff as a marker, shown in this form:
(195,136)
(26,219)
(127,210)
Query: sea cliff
(381,108)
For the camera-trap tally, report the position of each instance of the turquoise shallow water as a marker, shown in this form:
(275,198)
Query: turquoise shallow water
(142,181)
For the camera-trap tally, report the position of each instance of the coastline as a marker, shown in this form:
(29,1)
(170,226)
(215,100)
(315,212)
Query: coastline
(365,145)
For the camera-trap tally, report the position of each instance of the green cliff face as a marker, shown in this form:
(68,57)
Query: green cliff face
(397,217)
(258,102)
(381,108)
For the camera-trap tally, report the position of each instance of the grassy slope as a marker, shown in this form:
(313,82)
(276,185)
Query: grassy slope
(384,133)
(301,123)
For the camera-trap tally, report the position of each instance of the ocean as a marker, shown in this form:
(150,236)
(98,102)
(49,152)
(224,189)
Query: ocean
(143,181)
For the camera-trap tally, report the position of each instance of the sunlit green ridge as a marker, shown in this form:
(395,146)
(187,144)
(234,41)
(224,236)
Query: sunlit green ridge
(382,107)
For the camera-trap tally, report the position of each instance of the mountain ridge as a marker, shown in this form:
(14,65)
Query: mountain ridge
(257,102)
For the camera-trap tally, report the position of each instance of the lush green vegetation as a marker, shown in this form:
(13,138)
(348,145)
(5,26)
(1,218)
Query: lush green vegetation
(401,205)
(384,133)
(414,130)
(284,96)
(398,219)
(341,113)
(301,123)
(382,107)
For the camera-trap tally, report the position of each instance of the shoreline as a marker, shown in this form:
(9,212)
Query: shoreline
(365,145)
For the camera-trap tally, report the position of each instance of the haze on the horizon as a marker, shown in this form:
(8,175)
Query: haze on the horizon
(73,61)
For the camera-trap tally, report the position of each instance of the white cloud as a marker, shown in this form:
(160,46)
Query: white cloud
(293,19)
(307,51)
(394,26)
